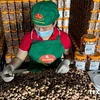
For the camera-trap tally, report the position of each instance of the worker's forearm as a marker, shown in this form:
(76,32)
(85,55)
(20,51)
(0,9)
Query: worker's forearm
(15,63)
(19,59)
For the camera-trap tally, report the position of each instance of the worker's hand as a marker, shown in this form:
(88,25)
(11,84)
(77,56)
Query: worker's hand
(7,74)
(63,67)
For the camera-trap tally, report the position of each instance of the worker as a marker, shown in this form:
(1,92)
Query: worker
(45,44)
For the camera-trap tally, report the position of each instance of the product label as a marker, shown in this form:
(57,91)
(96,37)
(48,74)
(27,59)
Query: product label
(80,65)
(60,4)
(67,13)
(66,22)
(89,48)
(94,65)
(67,3)
(59,23)
(61,14)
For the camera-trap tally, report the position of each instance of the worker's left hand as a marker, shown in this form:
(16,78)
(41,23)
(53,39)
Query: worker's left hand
(63,67)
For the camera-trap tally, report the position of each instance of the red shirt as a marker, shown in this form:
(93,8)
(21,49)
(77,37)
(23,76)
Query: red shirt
(30,36)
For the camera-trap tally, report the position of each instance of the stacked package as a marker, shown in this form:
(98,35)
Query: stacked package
(94,22)
(85,19)
(85,33)
(87,58)
(80,15)
(16,22)
(64,11)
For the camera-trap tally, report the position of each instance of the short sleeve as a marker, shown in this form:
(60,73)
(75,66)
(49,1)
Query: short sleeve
(65,40)
(26,42)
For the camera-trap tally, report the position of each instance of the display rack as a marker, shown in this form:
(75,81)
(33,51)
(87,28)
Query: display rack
(85,19)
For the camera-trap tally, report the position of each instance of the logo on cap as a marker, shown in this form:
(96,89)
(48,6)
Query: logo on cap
(38,16)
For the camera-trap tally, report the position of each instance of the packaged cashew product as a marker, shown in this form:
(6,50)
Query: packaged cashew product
(67,3)
(88,43)
(6,25)
(66,12)
(91,24)
(14,33)
(5,16)
(25,5)
(18,5)
(11,5)
(7,35)
(59,22)
(95,5)
(60,12)
(97,33)
(3,6)
(19,26)
(19,16)
(13,25)
(60,4)
(80,60)
(12,16)
(97,27)
(10,50)
(94,15)
(94,61)
(65,22)
(9,42)
(15,42)
(16,49)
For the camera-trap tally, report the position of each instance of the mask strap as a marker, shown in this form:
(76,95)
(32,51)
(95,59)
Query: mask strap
(32,33)
(59,31)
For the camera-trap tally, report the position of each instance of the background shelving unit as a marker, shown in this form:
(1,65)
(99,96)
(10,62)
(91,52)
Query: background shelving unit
(84,19)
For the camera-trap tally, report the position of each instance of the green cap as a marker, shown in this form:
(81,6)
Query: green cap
(44,13)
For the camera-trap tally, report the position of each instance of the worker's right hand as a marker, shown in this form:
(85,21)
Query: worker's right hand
(7,74)
(63,66)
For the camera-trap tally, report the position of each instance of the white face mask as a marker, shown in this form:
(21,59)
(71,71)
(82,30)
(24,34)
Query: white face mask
(45,33)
